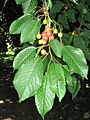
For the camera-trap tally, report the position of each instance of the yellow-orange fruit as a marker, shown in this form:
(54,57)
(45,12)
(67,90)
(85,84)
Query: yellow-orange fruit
(38,36)
(43,52)
(60,34)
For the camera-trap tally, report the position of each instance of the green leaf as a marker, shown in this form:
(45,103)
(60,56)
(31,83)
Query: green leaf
(85,11)
(58,83)
(46,62)
(71,15)
(29,6)
(67,74)
(79,43)
(44,98)
(75,1)
(85,33)
(63,20)
(49,4)
(75,59)
(87,25)
(18,25)
(56,47)
(29,33)
(75,88)
(28,79)
(5,2)
(57,6)
(20,1)
(23,56)
(87,54)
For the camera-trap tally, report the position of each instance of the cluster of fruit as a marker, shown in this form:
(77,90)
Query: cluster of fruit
(47,35)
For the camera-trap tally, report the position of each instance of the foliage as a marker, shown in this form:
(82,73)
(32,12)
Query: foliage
(7,48)
(55,59)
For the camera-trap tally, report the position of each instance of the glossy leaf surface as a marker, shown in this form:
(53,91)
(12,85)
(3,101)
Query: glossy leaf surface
(29,6)
(28,79)
(18,25)
(58,84)
(56,47)
(75,88)
(23,56)
(29,33)
(75,59)
(44,98)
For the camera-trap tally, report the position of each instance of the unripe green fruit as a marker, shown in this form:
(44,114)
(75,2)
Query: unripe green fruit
(55,31)
(60,34)
(45,21)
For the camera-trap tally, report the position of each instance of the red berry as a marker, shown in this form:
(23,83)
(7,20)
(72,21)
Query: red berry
(51,38)
(49,33)
(62,43)
(45,38)
(43,34)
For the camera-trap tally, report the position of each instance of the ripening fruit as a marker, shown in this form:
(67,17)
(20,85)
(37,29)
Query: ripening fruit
(43,52)
(40,42)
(43,34)
(55,31)
(45,21)
(49,33)
(44,42)
(38,36)
(60,34)
(47,29)
(51,38)
(45,38)
(62,43)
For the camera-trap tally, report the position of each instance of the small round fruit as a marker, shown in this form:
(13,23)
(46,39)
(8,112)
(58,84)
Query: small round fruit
(43,52)
(49,33)
(55,31)
(40,42)
(60,34)
(45,38)
(73,33)
(47,29)
(38,36)
(45,21)
(43,34)
(62,43)
(51,38)
(44,42)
